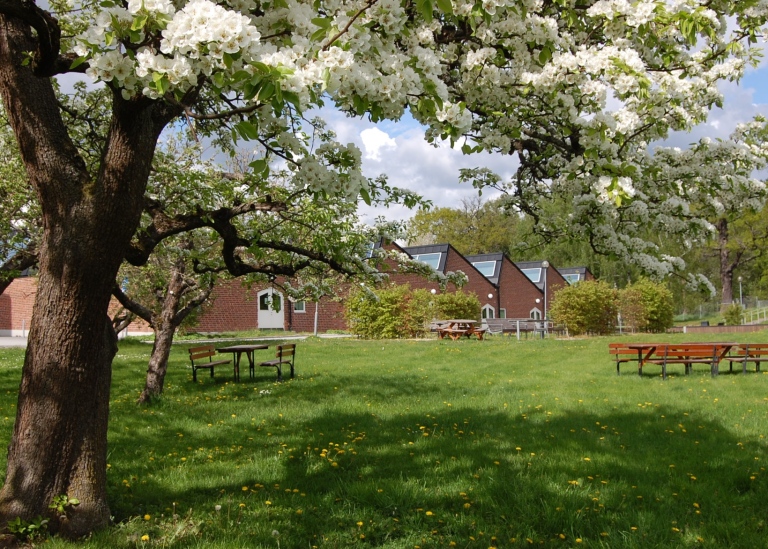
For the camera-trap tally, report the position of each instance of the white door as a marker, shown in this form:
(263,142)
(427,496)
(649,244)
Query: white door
(270,309)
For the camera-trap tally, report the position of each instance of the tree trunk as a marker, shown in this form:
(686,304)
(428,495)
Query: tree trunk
(59,442)
(726,266)
(164,326)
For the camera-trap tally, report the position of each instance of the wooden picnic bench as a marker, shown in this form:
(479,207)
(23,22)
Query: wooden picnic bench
(664,354)
(748,352)
(285,355)
(197,356)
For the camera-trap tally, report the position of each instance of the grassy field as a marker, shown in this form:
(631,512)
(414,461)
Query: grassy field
(433,444)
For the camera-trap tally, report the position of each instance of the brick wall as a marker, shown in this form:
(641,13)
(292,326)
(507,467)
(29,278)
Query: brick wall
(231,307)
(555,281)
(16,304)
(518,294)
(18,300)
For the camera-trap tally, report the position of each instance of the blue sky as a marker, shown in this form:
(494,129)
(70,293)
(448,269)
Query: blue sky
(398,148)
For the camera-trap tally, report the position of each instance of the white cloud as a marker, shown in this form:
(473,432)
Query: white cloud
(375,142)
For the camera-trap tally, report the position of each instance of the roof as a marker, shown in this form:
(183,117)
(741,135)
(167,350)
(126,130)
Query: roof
(533,269)
(574,274)
(441,249)
(492,275)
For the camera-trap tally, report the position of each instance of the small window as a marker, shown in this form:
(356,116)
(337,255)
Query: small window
(486,268)
(572,278)
(269,302)
(502,313)
(488,312)
(433,260)
(533,274)
(535,314)
(300,306)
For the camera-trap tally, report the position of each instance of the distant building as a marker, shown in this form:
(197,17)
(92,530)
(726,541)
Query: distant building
(572,275)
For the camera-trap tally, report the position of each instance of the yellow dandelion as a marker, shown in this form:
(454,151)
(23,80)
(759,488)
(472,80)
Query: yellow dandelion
(429,513)
(467,505)
(242,505)
(578,540)
(245,488)
(359,522)
(299,512)
(145,537)
(267,502)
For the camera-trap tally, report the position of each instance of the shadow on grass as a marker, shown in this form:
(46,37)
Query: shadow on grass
(658,476)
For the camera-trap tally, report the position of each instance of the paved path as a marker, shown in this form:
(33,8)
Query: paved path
(22,341)
(13,341)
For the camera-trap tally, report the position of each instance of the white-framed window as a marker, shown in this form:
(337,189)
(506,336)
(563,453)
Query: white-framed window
(502,313)
(300,306)
(534,275)
(572,278)
(487,312)
(433,260)
(486,268)
(535,314)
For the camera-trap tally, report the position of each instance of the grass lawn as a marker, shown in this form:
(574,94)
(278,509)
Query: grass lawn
(433,444)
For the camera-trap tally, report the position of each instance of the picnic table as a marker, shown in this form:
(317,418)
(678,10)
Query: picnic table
(238,351)
(687,354)
(457,327)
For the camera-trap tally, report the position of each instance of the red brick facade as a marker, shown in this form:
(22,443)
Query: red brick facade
(235,307)
(17,301)
(518,295)
(16,306)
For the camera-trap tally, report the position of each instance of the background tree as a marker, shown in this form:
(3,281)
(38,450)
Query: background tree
(164,293)
(474,228)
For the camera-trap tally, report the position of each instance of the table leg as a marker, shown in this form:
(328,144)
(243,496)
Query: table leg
(251,363)
(237,365)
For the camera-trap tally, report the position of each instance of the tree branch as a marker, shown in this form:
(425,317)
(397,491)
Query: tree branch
(134,306)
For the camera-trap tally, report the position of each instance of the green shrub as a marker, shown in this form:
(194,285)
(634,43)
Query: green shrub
(399,312)
(458,305)
(733,315)
(647,306)
(590,306)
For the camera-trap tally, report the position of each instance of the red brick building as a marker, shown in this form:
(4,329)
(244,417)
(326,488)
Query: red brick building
(518,296)
(504,289)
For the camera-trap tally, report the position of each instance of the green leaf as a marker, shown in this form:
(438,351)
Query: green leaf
(318,35)
(445,6)
(77,62)
(545,54)
(247,130)
(139,23)
(424,7)
(365,196)
(322,22)
(259,166)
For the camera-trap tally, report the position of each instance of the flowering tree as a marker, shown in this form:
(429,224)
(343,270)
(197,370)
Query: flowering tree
(18,213)
(526,78)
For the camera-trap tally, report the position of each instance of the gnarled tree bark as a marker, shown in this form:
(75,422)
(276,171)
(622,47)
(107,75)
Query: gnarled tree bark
(59,443)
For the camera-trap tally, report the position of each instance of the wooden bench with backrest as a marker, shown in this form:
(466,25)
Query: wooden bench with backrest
(622,354)
(197,356)
(748,352)
(686,354)
(285,355)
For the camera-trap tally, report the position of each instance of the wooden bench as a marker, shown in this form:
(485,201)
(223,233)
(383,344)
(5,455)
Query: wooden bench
(687,354)
(476,331)
(748,352)
(285,355)
(197,356)
(622,354)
